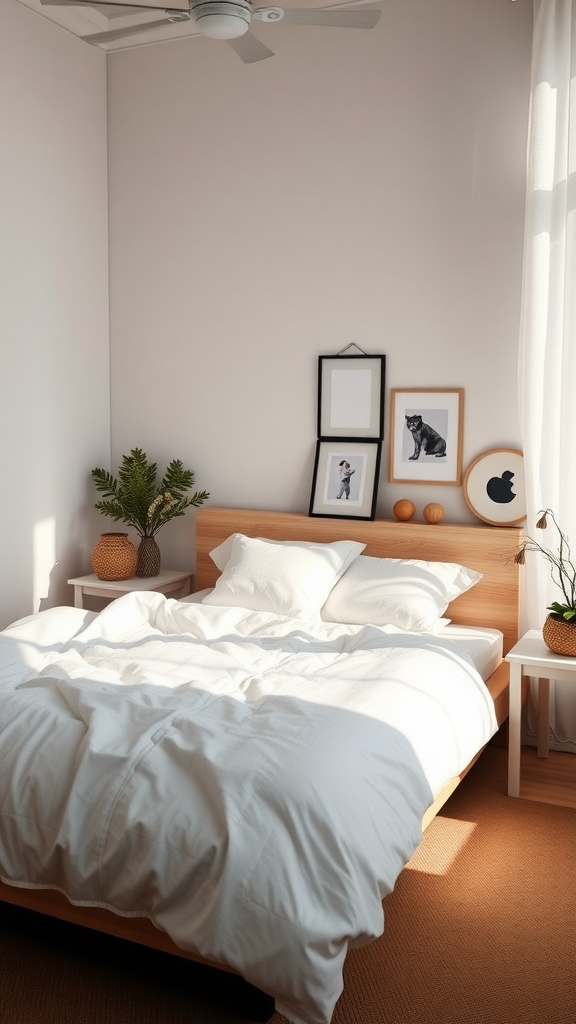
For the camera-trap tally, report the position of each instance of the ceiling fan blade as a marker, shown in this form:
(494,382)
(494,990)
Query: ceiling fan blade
(337,19)
(121,33)
(249,48)
(146,5)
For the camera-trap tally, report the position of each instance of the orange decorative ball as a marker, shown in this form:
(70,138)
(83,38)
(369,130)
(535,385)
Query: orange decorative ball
(404,509)
(433,513)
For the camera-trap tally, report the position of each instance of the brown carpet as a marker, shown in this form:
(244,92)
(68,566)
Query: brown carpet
(481,929)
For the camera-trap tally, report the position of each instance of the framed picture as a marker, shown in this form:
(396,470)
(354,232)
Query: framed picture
(351,396)
(494,487)
(345,480)
(426,435)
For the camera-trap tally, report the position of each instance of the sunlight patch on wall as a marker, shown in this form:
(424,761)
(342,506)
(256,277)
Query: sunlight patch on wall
(44,548)
(450,838)
(545,115)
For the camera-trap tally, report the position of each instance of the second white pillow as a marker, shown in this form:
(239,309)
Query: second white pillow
(407,593)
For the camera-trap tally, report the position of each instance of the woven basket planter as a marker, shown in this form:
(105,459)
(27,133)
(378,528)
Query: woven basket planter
(114,557)
(560,636)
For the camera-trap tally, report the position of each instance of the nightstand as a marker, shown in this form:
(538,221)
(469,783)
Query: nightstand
(168,581)
(531,657)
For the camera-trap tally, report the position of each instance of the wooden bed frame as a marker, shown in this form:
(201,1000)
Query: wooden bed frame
(492,602)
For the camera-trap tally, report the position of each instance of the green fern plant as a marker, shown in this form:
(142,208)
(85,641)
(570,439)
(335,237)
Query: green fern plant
(135,497)
(562,570)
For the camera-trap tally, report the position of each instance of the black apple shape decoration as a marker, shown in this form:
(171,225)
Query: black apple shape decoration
(499,488)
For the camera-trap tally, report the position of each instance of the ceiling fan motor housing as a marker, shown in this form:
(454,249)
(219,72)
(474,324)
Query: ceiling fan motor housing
(222,20)
(269,14)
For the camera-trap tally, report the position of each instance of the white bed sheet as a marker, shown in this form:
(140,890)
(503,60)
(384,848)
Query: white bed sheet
(483,645)
(252,787)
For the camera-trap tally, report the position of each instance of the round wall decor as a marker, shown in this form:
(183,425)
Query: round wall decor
(494,487)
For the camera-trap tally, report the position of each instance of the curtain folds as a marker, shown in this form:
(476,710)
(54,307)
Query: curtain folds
(547,352)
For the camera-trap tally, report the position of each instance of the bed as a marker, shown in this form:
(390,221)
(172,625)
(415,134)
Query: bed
(225,755)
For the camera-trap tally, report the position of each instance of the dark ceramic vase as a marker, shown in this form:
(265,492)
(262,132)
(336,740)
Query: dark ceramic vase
(148,557)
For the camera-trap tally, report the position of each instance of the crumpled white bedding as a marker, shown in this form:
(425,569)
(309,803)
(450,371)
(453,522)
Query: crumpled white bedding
(252,785)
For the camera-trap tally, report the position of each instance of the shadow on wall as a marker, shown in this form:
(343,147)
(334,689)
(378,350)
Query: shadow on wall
(74,560)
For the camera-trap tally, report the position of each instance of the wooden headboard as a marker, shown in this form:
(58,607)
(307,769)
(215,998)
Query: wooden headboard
(487,549)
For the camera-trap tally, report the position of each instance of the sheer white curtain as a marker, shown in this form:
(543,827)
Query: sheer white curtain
(547,358)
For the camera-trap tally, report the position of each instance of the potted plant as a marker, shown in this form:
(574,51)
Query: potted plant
(137,499)
(559,629)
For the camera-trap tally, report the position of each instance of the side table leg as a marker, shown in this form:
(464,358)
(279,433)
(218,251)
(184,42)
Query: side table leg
(543,717)
(78,596)
(514,729)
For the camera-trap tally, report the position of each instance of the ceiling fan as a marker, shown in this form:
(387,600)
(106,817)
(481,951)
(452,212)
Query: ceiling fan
(221,19)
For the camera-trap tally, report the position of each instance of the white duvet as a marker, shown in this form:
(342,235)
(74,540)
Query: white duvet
(253,787)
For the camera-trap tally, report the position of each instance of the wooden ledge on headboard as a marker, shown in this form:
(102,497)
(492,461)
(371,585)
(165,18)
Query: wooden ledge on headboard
(487,549)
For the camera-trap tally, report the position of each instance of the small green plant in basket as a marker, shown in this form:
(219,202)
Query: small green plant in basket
(562,571)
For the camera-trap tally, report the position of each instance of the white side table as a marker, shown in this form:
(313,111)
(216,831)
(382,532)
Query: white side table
(168,581)
(531,657)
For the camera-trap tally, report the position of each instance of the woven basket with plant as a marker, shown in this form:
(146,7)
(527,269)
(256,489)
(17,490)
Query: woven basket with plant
(559,629)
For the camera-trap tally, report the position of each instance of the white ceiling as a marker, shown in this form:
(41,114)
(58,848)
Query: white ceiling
(87,19)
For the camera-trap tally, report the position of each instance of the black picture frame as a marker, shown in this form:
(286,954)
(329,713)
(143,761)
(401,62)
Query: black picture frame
(351,396)
(331,494)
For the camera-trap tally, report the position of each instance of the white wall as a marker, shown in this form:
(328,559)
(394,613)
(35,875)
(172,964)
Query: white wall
(359,186)
(54,379)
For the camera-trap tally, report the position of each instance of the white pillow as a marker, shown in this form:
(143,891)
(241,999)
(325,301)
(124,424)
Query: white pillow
(290,578)
(404,592)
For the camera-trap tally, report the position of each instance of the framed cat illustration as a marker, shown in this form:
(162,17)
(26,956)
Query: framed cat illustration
(426,435)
